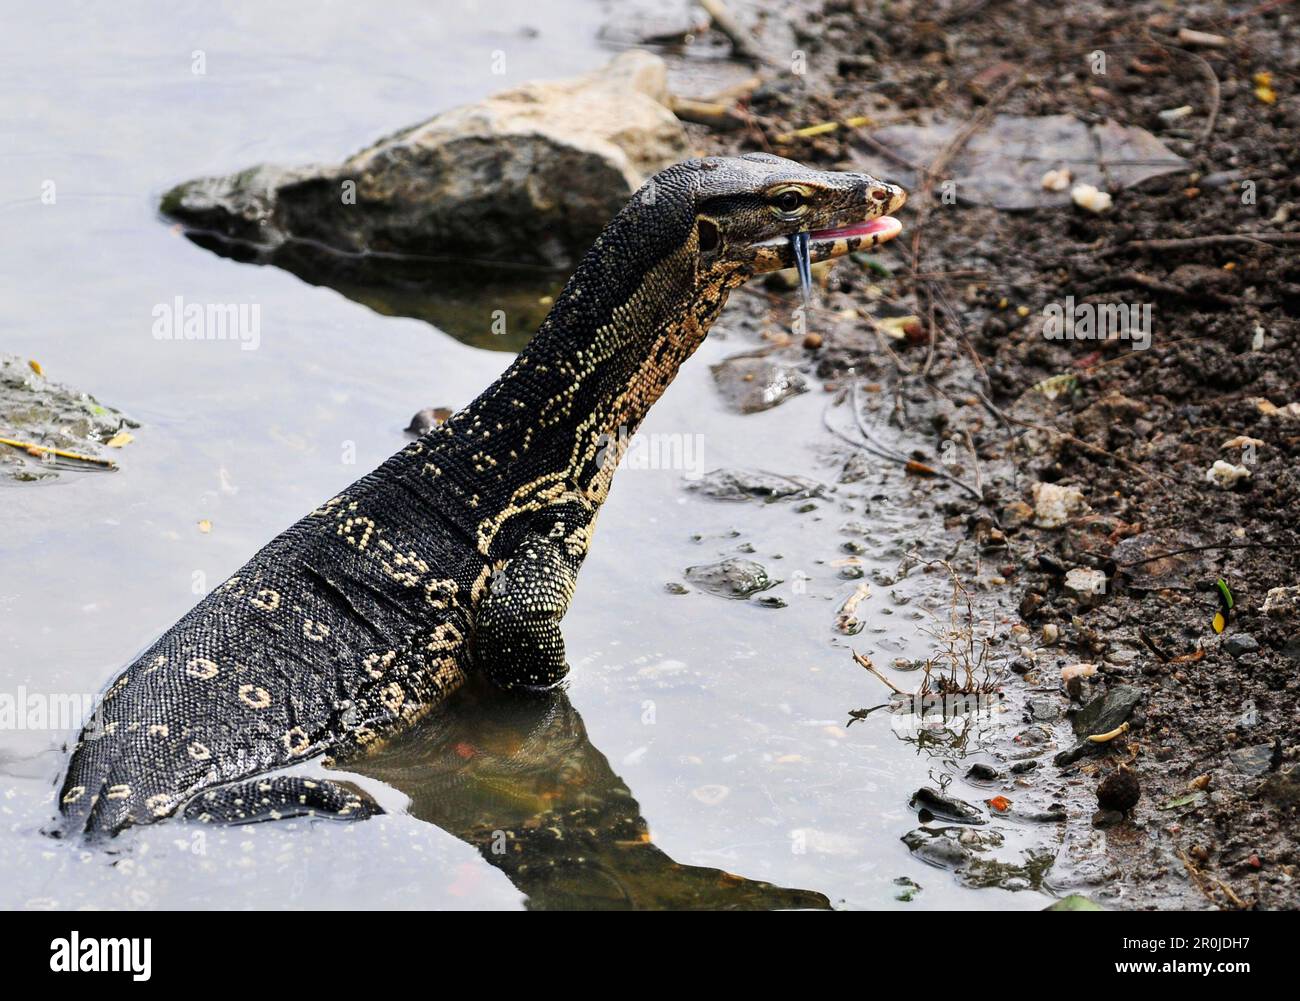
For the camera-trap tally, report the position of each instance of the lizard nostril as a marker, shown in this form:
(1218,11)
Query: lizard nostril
(880,194)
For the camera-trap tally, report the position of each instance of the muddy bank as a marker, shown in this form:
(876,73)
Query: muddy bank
(1168,458)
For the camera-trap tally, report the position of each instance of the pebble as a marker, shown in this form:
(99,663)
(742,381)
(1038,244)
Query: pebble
(1239,643)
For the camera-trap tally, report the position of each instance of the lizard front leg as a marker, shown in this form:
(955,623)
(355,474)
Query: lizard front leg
(517,639)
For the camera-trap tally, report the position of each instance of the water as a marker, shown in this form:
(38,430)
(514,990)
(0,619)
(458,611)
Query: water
(697,733)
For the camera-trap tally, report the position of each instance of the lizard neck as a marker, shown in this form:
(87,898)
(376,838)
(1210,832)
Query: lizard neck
(633,312)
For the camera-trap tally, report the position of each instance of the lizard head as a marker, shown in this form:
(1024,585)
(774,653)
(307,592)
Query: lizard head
(751,210)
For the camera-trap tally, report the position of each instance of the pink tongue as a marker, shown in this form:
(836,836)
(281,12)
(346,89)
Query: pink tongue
(880,225)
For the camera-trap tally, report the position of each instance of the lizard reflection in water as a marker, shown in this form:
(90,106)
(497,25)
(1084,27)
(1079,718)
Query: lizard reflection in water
(517,777)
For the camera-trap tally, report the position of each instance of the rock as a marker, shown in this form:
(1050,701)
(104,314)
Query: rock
(1017,513)
(1044,710)
(1240,643)
(1253,761)
(35,409)
(936,849)
(1085,585)
(1055,505)
(427,419)
(946,807)
(733,578)
(1282,602)
(749,383)
(1024,767)
(1071,671)
(1107,711)
(742,484)
(1147,568)
(529,175)
(1002,165)
(1086,196)
(1103,714)
(981,772)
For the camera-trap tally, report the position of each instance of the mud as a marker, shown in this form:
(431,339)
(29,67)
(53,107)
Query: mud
(945,335)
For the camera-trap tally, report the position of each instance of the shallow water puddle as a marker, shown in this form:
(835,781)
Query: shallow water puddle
(697,733)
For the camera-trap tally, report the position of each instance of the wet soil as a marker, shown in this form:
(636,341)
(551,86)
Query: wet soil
(974,389)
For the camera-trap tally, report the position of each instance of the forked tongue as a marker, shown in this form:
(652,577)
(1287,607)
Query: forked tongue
(799,245)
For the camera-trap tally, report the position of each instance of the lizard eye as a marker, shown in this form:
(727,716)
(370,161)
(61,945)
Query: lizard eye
(789,200)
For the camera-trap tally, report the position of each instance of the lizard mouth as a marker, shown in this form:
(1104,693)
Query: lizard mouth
(874,230)
(826,244)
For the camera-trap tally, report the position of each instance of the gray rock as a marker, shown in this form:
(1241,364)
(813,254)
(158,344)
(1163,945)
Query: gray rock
(936,849)
(34,409)
(749,383)
(1239,643)
(1252,761)
(743,484)
(946,807)
(1002,165)
(732,578)
(530,175)
(1107,711)
(982,772)
(1101,715)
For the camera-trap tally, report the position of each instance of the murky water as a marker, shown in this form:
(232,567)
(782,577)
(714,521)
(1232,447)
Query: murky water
(698,734)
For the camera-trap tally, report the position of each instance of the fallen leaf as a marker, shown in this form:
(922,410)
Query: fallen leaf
(120,439)
(35,366)
(1000,803)
(1191,799)
(205,526)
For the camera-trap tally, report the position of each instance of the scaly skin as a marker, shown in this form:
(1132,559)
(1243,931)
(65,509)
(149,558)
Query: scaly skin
(460,553)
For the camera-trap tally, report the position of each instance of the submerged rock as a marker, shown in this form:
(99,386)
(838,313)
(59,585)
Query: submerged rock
(43,413)
(733,578)
(530,175)
(750,383)
(946,807)
(742,484)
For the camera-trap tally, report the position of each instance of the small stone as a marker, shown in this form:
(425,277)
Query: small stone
(812,342)
(1239,643)
(1281,602)
(1086,585)
(1252,761)
(946,807)
(1090,198)
(981,772)
(1055,505)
